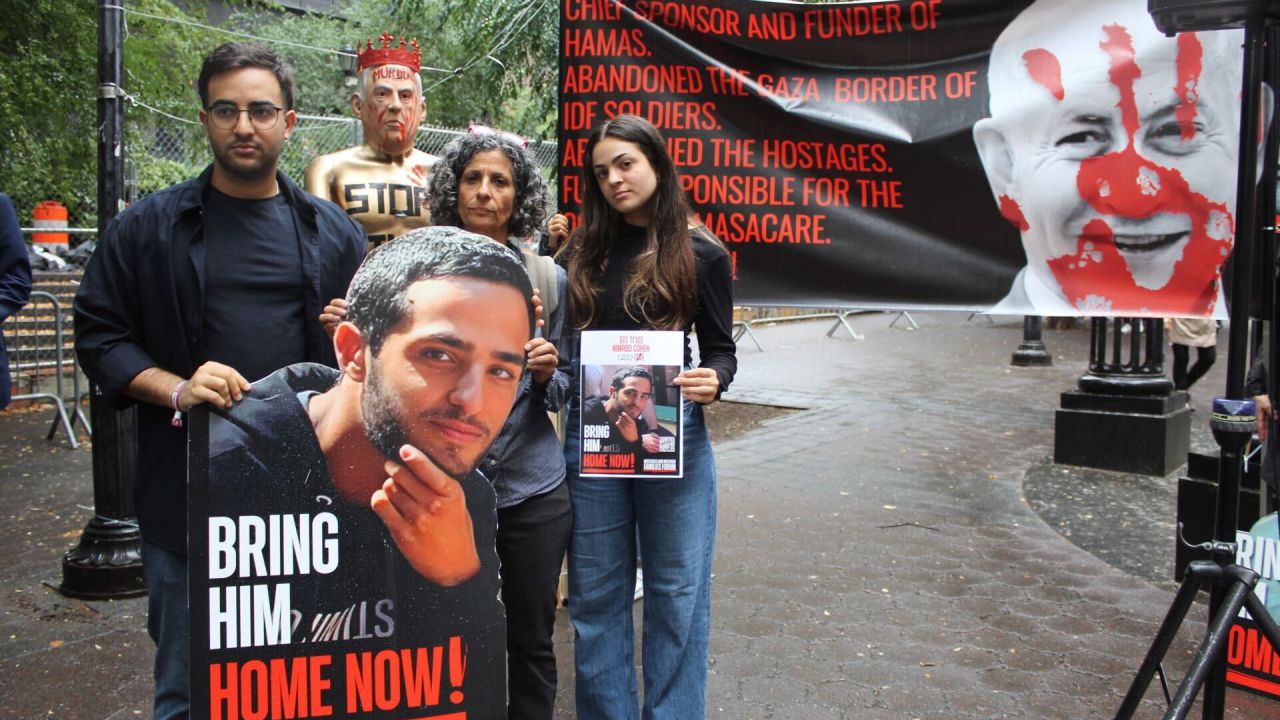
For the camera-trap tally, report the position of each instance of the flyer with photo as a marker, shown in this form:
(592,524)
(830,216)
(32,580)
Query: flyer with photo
(632,424)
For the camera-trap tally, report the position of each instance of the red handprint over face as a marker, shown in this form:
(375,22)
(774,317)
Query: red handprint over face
(1116,160)
(1129,190)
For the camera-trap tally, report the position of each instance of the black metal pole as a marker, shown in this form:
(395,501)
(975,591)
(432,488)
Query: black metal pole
(1031,351)
(107,563)
(1270,350)
(1229,466)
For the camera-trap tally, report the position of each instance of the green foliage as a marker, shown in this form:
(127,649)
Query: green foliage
(506,54)
(499,59)
(153,173)
(47,104)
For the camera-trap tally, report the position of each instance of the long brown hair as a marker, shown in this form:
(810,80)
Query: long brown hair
(661,289)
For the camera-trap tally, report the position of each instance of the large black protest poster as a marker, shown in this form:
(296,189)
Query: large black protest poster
(833,147)
(300,603)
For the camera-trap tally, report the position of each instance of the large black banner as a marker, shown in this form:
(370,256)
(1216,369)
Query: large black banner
(903,154)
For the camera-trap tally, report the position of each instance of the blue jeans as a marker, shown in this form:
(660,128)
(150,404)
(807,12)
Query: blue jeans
(166,576)
(676,520)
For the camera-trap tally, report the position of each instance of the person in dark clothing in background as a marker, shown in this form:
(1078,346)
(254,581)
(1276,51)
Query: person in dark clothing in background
(15,282)
(1257,386)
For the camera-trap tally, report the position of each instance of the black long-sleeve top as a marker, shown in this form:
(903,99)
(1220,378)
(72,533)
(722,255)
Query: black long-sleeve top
(713,321)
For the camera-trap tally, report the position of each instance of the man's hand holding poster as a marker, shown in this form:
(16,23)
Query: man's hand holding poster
(631,419)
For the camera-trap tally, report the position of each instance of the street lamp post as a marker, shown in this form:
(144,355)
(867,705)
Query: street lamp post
(107,562)
(1031,351)
(347,63)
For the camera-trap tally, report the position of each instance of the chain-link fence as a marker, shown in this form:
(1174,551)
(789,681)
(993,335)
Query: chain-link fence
(161,151)
(172,152)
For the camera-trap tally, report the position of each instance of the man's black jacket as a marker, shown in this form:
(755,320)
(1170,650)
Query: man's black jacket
(141,305)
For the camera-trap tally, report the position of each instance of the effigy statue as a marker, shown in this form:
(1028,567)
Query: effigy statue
(382,183)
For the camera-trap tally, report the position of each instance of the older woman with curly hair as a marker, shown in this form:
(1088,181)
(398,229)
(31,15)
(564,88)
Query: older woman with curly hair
(487,182)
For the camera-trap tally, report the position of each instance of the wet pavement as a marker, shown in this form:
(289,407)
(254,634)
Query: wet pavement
(899,546)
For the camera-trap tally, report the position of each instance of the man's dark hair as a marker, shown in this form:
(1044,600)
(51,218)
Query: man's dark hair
(377,294)
(627,372)
(236,56)
(531,189)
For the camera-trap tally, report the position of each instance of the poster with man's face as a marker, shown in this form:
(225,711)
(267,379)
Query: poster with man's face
(342,544)
(1114,158)
(1047,157)
(632,411)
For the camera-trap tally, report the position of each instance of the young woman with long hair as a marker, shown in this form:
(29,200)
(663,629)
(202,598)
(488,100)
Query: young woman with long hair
(640,261)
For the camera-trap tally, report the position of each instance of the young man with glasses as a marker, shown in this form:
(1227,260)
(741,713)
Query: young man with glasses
(198,289)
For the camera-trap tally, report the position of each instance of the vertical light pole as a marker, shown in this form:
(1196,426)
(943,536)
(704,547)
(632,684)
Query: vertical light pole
(107,563)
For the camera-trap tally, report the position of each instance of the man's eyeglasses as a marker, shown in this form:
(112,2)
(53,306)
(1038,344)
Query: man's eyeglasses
(224,116)
(509,137)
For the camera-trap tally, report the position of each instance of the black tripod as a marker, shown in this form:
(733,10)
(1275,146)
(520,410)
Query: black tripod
(1232,422)
(1238,583)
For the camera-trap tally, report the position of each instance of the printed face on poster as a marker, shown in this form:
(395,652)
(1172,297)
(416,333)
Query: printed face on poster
(632,424)
(301,599)
(1046,157)
(341,543)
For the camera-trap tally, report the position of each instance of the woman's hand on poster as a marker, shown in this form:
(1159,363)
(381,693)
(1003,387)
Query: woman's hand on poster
(426,512)
(699,385)
(334,313)
(541,357)
(538,311)
(558,229)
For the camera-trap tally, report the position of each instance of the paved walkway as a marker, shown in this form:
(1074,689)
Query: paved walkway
(877,554)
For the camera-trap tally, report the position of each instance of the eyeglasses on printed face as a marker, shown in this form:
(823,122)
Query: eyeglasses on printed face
(224,116)
(510,137)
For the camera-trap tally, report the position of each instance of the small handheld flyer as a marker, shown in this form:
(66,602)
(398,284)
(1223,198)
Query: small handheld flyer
(632,424)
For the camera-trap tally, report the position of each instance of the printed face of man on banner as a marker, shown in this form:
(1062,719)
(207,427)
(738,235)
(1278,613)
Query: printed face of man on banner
(432,357)
(1113,149)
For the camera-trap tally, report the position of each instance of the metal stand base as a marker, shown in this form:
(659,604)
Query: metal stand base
(842,319)
(1031,354)
(1240,582)
(106,564)
(743,327)
(904,315)
(1031,351)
